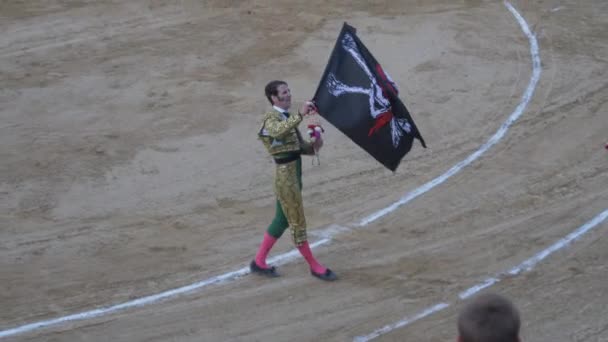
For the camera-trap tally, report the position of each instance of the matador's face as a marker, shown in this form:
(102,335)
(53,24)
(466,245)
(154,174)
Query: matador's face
(283,97)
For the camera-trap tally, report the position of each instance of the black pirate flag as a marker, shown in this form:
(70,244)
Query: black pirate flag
(358,97)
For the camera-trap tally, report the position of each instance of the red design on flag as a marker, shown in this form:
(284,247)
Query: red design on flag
(381,120)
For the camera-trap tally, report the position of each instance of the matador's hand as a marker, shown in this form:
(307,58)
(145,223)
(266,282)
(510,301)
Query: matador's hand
(306,108)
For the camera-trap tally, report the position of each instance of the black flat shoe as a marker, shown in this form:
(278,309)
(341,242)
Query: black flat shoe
(270,272)
(329,275)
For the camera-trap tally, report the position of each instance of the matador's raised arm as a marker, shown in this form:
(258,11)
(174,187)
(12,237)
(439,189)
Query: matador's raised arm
(275,127)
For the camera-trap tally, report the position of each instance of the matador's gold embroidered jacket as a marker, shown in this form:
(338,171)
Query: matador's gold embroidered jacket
(281,135)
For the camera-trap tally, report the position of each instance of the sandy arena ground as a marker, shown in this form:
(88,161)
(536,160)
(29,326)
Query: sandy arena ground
(130,166)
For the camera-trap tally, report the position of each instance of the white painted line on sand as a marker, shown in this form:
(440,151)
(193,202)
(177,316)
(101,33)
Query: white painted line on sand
(474,289)
(279,259)
(536,71)
(388,328)
(525,266)
(284,258)
(530,263)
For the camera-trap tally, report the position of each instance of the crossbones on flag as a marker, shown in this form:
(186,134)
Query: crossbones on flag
(360,99)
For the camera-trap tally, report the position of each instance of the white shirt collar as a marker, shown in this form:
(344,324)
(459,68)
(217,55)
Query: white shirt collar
(279,109)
